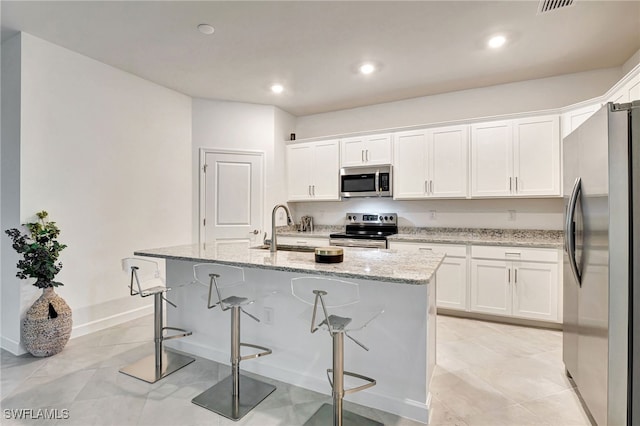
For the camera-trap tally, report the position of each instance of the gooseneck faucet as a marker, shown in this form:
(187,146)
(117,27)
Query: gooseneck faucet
(274,245)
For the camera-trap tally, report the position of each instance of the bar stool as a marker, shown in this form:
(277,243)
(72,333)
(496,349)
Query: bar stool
(161,363)
(238,394)
(341,298)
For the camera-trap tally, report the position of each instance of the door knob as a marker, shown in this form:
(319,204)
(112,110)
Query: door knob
(254,232)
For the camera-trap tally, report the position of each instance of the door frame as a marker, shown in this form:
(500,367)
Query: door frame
(202,184)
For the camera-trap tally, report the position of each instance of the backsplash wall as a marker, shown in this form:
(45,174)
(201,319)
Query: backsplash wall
(544,213)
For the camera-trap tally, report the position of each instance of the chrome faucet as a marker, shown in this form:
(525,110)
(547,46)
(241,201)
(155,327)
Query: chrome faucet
(274,245)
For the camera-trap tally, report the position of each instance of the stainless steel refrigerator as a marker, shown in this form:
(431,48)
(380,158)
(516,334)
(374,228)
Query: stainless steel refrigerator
(601,185)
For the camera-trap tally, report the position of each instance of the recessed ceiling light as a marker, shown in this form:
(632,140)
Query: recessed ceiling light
(497,41)
(277,88)
(206,29)
(367,68)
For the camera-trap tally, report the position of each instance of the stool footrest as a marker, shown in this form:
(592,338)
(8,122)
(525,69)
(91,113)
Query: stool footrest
(267,351)
(184,333)
(372,382)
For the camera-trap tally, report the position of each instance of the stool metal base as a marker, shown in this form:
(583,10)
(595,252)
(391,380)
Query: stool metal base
(324,417)
(146,368)
(220,400)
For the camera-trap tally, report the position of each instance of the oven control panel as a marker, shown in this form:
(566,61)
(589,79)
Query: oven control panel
(372,218)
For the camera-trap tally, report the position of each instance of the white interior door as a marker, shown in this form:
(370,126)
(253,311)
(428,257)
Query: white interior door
(232,197)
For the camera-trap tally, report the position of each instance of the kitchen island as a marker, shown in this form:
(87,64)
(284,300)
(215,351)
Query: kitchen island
(401,341)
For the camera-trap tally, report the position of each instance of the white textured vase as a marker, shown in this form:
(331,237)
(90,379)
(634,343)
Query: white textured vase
(47,325)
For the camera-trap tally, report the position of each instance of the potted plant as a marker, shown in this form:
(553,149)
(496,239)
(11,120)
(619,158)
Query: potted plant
(47,325)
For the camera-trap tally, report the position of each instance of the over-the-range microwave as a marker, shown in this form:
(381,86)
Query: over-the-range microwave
(366,181)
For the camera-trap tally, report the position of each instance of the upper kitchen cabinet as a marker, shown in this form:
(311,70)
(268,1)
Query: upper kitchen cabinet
(366,150)
(312,171)
(516,158)
(431,163)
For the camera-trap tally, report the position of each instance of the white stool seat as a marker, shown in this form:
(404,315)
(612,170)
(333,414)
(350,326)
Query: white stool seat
(146,281)
(330,295)
(238,394)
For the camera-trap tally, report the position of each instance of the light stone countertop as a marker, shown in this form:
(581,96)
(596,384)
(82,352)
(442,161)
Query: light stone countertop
(477,236)
(369,264)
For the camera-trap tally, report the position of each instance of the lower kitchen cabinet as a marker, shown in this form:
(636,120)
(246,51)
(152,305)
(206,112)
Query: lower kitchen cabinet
(451,278)
(516,282)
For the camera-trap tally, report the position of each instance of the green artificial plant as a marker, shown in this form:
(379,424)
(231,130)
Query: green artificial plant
(40,251)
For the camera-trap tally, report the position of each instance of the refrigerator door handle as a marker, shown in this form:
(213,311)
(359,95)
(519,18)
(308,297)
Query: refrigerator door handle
(569,230)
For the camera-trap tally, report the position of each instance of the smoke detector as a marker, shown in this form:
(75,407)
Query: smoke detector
(551,5)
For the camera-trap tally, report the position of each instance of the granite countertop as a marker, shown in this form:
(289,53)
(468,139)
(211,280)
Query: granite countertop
(371,264)
(479,236)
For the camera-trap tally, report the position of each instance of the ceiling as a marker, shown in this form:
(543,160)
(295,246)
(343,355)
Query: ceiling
(314,48)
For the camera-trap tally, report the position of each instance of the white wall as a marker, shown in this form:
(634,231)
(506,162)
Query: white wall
(10,192)
(532,95)
(108,155)
(241,126)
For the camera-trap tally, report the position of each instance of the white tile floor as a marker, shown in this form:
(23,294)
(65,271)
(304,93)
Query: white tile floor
(487,374)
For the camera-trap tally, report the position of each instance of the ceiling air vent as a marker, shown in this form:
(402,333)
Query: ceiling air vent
(551,5)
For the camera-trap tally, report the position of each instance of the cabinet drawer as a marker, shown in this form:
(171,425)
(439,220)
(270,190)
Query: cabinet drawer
(451,250)
(304,241)
(515,253)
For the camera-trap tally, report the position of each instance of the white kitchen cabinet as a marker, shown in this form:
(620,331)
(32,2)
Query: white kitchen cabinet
(451,277)
(515,282)
(303,240)
(313,171)
(431,163)
(516,158)
(366,150)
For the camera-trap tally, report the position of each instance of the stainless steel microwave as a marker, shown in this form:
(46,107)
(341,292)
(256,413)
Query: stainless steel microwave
(367,181)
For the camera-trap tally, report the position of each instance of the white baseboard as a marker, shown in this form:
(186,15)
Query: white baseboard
(111,320)
(12,346)
(410,409)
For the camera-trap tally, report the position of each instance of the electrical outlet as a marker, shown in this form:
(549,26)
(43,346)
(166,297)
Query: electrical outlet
(512,215)
(267,316)
(433,214)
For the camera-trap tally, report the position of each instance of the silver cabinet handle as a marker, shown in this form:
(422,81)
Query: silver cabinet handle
(508,275)
(509,184)
(426,186)
(515,279)
(366,155)
(362,155)
(516,183)
(425,248)
(313,190)
(309,190)
(431,187)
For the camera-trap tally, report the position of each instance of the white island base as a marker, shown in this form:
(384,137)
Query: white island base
(401,341)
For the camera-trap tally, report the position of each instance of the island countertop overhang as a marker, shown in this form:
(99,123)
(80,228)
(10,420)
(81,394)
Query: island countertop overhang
(359,263)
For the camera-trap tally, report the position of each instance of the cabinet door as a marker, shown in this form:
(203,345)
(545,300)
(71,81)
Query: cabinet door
(352,151)
(410,172)
(490,290)
(535,290)
(378,149)
(574,118)
(299,171)
(448,162)
(536,165)
(325,182)
(491,159)
(451,280)
(633,89)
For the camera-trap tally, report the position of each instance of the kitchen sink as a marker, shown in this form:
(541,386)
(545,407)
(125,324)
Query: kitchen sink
(285,247)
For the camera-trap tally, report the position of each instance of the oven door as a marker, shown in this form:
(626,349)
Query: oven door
(359,242)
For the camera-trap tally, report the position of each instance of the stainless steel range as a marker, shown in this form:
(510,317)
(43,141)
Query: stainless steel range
(366,230)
